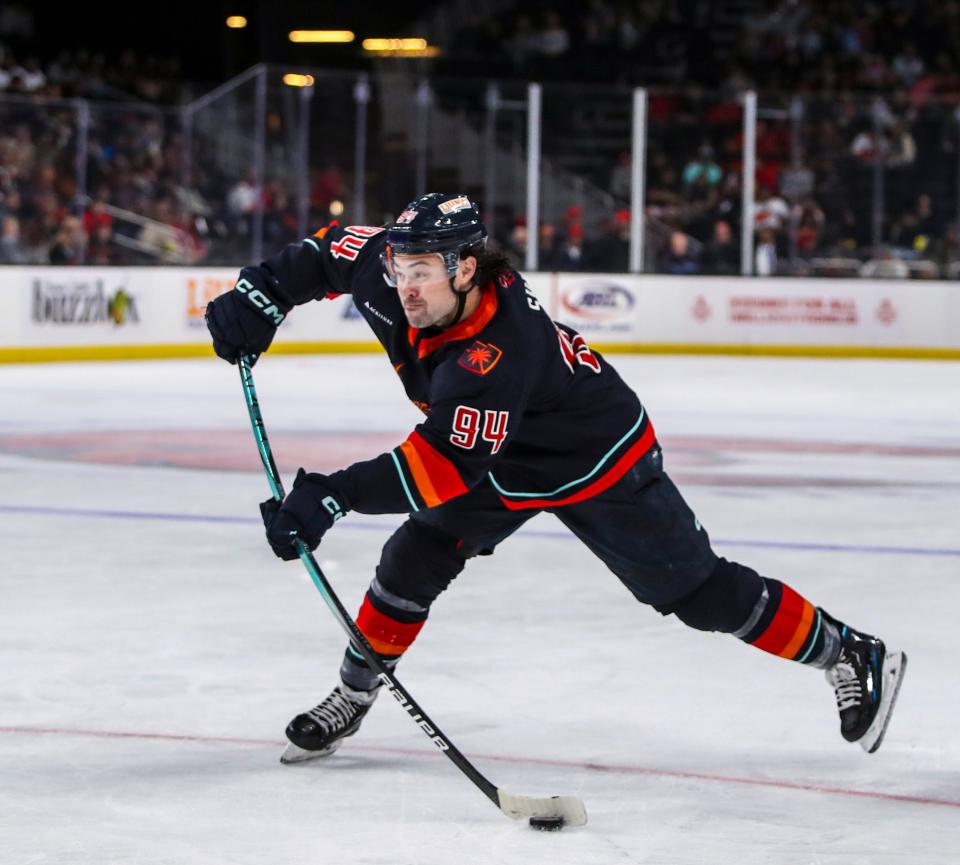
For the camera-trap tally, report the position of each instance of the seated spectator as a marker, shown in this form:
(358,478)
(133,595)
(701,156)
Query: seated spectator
(517,243)
(70,243)
(908,65)
(548,250)
(770,211)
(809,227)
(868,146)
(96,216)
(765,257)
(523,42)
(11,251)
(571,254)
(901,148)
(280,225)
(946,252)
(553,40)
(721,256)
(703,169)
(28,77)
(679,258)
(610,252)
(241,202)
(885,265)
(100,247)
(572,216)
(621,178)
(915,229)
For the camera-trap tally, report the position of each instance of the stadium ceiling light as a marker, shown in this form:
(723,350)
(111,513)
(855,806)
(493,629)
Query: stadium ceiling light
(400,47)
(236,22)
(394,44)
(321,36)
(291,79)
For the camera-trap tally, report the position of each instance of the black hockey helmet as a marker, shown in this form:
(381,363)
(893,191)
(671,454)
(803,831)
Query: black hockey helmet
(443,223)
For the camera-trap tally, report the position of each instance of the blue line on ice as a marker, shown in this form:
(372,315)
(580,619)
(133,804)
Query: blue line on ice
(42,510)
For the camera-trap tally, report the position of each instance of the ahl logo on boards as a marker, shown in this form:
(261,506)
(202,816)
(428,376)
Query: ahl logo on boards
(82,303)
(598,301)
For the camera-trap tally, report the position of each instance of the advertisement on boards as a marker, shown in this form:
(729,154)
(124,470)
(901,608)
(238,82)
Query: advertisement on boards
(74,300)
(602,307)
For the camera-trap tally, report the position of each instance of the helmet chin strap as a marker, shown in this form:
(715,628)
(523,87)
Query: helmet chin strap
(461,302)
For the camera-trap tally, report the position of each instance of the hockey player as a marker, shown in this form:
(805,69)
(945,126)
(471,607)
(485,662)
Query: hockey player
(520,416)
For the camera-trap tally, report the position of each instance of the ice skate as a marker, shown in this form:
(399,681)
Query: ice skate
(866,680)
(319,732)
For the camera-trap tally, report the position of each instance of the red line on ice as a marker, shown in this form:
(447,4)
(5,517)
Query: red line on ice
(499,758)
(326,450)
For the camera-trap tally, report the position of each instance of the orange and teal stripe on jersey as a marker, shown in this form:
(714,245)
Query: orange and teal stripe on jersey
(428,477)
(639,439)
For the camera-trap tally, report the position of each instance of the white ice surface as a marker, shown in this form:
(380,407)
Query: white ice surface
(150,655)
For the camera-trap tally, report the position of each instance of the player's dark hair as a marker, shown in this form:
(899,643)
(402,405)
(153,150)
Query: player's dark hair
(491,263)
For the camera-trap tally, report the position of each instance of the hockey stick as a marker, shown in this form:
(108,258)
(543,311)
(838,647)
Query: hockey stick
(565,809)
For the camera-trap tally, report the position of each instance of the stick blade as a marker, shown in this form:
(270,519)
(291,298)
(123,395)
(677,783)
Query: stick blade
(570,808)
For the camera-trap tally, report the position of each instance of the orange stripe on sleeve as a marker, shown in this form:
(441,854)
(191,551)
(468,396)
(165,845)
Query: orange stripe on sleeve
(322,232)
(803,631)
(420,476)
(442,472)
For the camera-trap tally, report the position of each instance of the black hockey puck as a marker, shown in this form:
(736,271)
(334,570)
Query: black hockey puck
(547,824)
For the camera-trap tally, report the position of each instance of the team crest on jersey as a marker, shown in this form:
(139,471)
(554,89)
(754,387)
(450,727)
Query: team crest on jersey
(480,358)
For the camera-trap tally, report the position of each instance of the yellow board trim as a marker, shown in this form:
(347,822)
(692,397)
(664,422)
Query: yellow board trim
(53,354)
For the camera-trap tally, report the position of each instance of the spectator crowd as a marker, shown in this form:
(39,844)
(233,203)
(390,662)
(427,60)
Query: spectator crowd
(857,141)
(857,144)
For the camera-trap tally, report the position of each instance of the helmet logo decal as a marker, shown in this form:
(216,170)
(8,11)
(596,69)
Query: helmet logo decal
(454,205)
(406,216)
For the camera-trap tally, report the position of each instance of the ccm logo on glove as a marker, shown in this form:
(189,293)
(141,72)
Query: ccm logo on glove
(244,321)
(260,300)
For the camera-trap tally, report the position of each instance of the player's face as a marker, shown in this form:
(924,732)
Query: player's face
(424,289)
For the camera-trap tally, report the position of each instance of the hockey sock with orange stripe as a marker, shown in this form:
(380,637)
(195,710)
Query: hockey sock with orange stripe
(784,623)
(390,624)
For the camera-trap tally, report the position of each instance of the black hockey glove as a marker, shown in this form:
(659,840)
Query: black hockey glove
(308,511)
(243,321)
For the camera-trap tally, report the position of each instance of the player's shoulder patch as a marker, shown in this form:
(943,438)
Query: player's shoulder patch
(480,357)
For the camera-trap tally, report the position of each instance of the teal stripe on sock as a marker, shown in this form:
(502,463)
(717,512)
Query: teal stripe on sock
(816,633)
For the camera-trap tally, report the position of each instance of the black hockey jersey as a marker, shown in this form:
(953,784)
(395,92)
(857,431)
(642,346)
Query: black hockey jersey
(510,398)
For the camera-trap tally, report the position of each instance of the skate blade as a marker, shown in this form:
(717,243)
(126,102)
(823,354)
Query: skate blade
(295,754)
(894,667)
